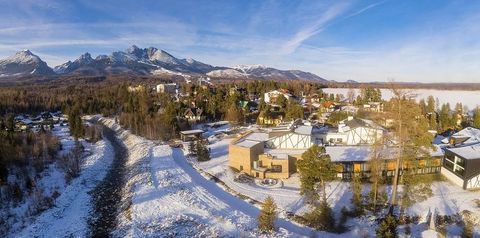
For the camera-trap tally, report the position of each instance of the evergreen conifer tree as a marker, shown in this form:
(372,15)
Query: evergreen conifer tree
(387,228)
(267,216)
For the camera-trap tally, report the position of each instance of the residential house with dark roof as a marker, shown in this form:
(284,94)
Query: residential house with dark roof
(461,163)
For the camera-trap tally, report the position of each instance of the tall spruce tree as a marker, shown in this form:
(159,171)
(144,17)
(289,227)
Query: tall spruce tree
(357,199)
(75,122)
(315,169)
(202,152)
(321,216)
(476,118)
(267,216)
(293,111)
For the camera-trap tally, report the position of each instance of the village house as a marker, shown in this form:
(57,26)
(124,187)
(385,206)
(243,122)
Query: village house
(352,110)
(191,135)
(373,107)
(327,106)
(169,88)
(136,89)
(461,163)
(272,118)
(270,97)
(354,131)
(237,90)
(194,115)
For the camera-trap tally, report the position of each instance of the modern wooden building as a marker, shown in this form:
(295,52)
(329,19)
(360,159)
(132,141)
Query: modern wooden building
(462,165)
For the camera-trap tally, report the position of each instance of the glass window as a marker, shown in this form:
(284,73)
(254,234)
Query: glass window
(276,168)
(460,161)
(458,170)
(448,164)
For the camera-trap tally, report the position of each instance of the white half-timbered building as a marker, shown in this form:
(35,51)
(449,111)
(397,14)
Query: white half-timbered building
(303,137)
(355,132)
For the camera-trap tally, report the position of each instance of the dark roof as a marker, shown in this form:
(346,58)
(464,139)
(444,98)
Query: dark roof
(354,123)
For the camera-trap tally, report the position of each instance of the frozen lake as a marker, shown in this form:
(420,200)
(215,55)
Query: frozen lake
(471,99)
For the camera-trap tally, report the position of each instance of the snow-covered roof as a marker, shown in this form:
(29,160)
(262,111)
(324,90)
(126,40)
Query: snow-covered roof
(348,153)
(357,122)
(284,153)
(277,92)
(257,136)
(304,130)
(247,143)
(191,132)
(471,132)
(436,151)
(471,151)
(439,139)
(26,121)
(337,153)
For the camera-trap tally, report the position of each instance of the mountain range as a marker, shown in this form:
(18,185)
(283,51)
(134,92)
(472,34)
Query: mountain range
(146,61)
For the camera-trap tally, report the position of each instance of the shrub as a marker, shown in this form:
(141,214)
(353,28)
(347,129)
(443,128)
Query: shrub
(387,227)
(321,217)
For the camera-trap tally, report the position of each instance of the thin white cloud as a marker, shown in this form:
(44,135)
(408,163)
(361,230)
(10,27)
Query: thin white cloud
(366,9)
(310,30)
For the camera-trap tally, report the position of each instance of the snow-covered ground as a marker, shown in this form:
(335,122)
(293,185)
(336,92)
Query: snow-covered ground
(169,195)
(448,199)
(170,198)
(69,215)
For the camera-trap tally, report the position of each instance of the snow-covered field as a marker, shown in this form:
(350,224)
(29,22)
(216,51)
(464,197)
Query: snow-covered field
(68,217)
(471,99)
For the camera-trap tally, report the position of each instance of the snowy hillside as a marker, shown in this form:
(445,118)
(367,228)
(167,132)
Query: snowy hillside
(72,209)
(263,72)
(72,205)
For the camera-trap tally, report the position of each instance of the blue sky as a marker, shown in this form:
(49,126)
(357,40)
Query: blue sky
(403,40)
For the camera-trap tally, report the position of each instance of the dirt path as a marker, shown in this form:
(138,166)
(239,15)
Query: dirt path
(106,197)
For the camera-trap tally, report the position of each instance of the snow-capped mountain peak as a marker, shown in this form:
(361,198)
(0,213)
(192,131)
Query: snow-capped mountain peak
(24,63)
(155,54)
(246,68)
(23,56)
(85,58)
